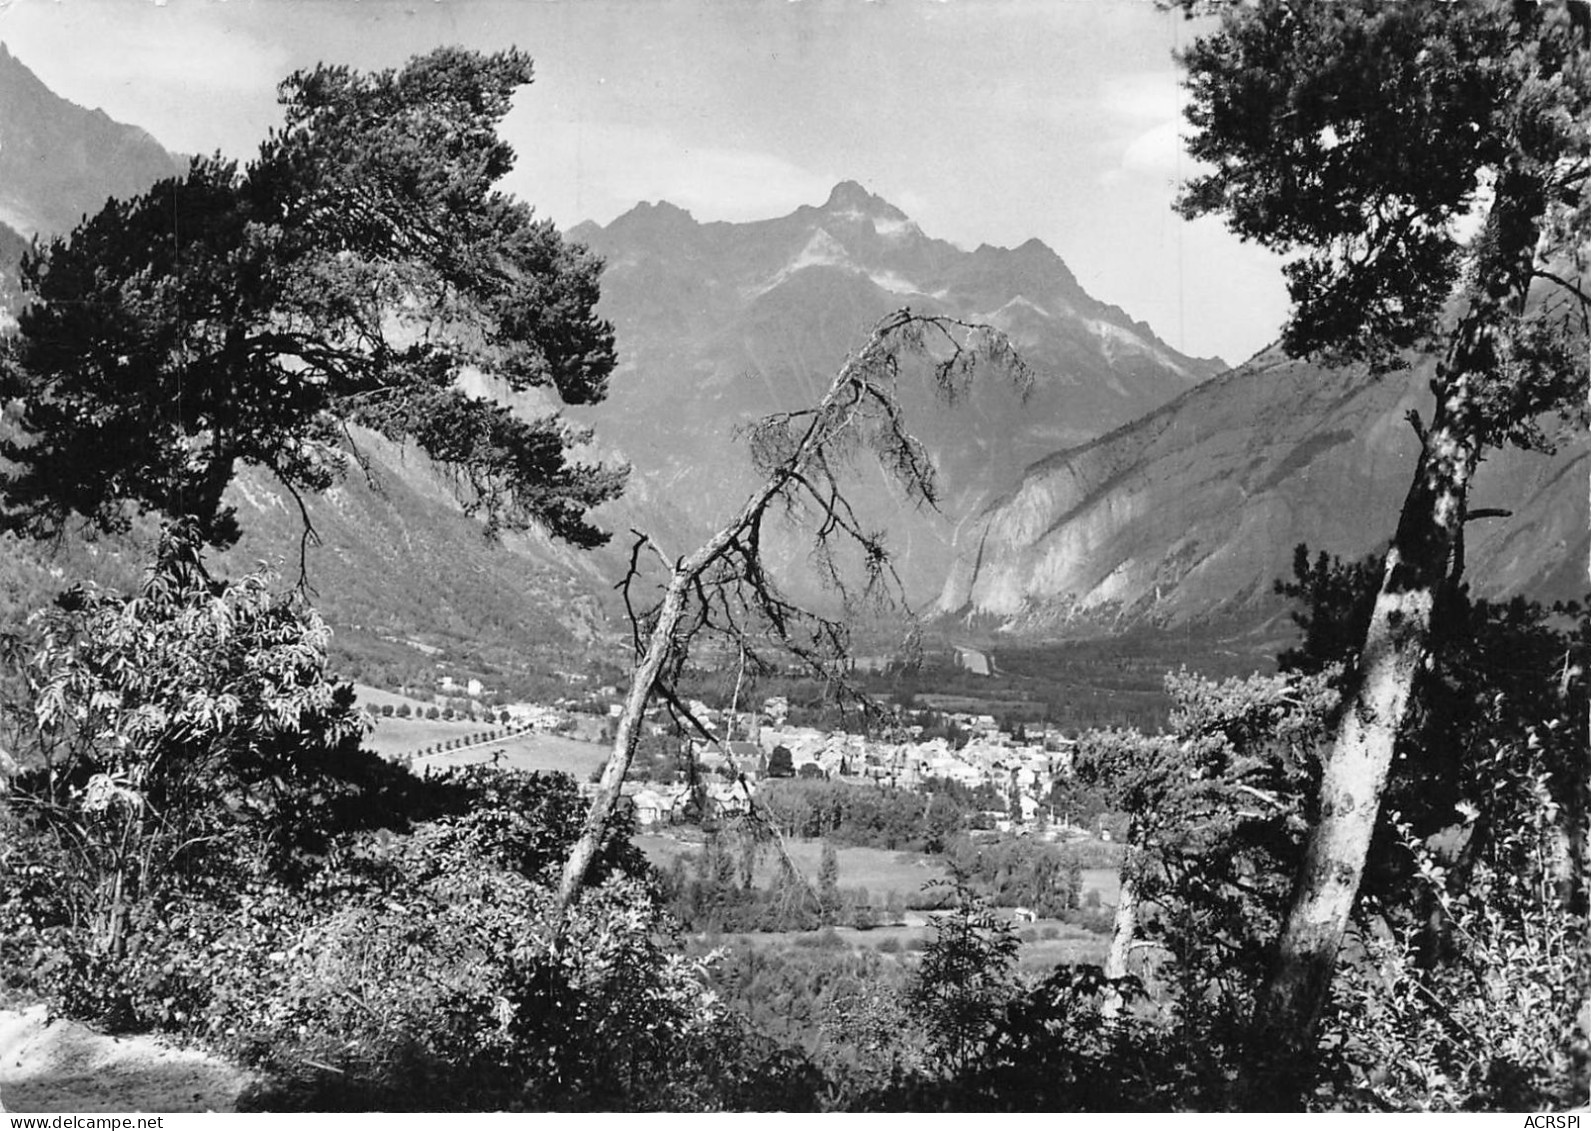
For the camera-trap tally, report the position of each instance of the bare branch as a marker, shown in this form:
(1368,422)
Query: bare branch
(723,588)
(1573,288)
(1413,417)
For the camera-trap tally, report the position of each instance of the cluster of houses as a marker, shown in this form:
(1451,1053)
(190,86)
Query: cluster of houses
(742,752)
(739,760)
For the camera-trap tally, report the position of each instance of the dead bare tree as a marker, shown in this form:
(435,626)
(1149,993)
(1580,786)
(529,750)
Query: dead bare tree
(723,589)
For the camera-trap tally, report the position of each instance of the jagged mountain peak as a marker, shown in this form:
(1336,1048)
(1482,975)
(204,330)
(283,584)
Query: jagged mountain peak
(1033,262)
(730,321)
(663,211)
(662,219)
(849,196)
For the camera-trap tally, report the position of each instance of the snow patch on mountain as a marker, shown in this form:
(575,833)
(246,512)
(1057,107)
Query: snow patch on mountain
(893,283)
(823,250)
(890,227)
(1020,302)
(1115,340)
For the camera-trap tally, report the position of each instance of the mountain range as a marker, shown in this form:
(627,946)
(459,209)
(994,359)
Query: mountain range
(1131,486)
(1191,511)
(719,324)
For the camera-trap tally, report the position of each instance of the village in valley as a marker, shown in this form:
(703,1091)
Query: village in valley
(737,751)
(736,557)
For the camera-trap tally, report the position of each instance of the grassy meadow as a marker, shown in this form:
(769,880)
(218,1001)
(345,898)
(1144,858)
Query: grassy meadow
(878,870)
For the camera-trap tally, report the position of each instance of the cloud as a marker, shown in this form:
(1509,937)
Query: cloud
(1143,95)
(1149,141)
(1157,151)
(576,171)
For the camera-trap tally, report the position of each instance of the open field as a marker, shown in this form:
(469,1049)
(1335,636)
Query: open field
(528,750)
(372,698)
(878,870)
(532,750)
(1045,944)
(1106,881)
(405,736)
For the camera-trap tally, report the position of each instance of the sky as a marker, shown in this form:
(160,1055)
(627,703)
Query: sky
(986,121)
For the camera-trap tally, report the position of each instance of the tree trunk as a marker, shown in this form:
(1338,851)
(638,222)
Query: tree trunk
(624,742)
(1355,774)
(1397,644)
(1125,928)
(660,647)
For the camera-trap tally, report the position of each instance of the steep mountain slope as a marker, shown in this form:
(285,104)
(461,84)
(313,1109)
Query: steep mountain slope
(1188,509)
(411,586)
(414,588)
(1194,510)
(59,161)
(720,324)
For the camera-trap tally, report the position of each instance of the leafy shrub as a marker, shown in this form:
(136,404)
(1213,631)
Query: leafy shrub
(1500,1022)
(174,741)
(964,980)
(1052,1048)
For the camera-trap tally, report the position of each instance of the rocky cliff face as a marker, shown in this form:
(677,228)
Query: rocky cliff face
(1194,510)
(1132,485)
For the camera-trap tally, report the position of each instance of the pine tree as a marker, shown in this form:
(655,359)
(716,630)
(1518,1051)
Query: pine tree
(348,274)
(1362,138)
(829,879)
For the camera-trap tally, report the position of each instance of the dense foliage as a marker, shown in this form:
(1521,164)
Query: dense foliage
(192,840)
(1327,133)
(349,273)
(166,736)
(865,815)
(370,941)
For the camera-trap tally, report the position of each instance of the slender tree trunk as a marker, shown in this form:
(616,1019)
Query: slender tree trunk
(624,742)
(1397,646)
(1126,925)
(1124,930)
(860,405)
(661,644)
(1355,774)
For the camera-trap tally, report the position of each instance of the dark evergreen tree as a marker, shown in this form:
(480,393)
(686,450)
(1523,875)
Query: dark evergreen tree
(829,879)
(348,274)
(781,763)
(1359,138)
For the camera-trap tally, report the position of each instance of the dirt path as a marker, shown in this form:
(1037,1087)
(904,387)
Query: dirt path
(61,1066)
